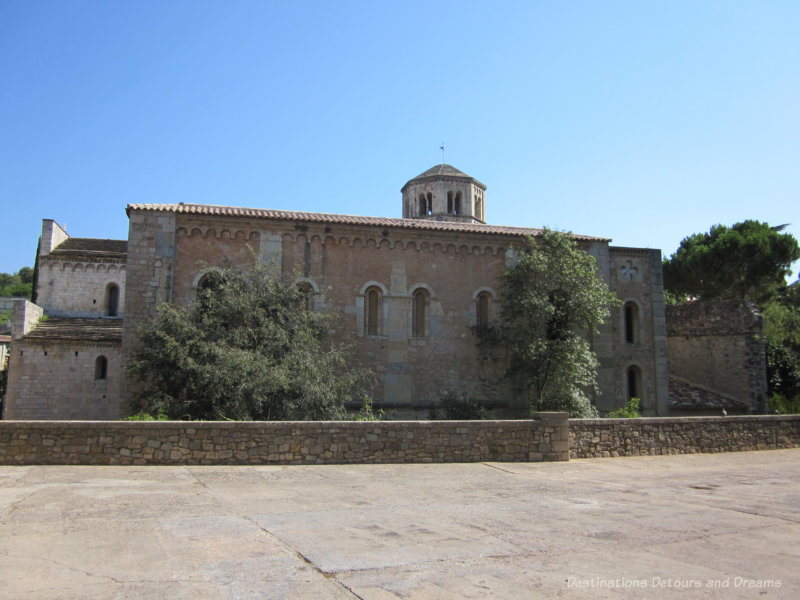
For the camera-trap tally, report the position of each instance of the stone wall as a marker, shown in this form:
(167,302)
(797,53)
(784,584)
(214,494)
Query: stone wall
(57,379)
(595,438)
(79,288)
(248,443)
(719,347)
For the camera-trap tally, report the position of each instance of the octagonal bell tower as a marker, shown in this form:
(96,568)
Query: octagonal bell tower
(443,193)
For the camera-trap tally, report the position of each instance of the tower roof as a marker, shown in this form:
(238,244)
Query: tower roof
(443,171)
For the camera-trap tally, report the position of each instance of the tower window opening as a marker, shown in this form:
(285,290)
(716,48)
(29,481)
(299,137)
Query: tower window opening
(457,206)
(449,203)
(423,205)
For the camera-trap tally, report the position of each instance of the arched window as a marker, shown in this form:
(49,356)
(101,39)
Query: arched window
(634,383)
(423,205)
(418,309)
(482,308)
(373,302)
(457,205)
(101,367)
(450,203)
(209,281)
(429,204)
(631,322)
(306,295)
(112,300)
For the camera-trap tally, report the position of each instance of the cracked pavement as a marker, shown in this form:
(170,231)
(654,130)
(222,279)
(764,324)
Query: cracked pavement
(641,527)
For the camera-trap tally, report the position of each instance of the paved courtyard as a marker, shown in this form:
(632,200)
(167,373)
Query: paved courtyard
(695,526)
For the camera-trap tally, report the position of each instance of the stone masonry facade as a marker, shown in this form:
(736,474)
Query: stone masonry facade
(717,354)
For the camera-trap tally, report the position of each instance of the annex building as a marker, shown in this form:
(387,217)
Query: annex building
(406,291)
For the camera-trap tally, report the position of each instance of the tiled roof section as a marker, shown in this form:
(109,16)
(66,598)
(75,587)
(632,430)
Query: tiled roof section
(90,247)
(306,217)
(5,339)
(82,329)
(684,395)
(442,171)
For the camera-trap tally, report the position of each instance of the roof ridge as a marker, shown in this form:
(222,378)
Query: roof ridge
(403,223)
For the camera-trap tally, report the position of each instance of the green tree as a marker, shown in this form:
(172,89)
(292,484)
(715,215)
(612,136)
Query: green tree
(20,284)
(552,298)
(747,260)
(247,349)
(782,333)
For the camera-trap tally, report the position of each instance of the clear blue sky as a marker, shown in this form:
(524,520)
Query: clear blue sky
(640,121)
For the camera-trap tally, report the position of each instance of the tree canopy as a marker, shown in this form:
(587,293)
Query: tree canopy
(552,297)
(247,349)
(19,284)
(747,260)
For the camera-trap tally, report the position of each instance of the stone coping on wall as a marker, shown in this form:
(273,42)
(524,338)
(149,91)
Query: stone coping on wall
(287,442)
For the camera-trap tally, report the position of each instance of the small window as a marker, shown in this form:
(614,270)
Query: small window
(101,367)
(457,206)
(112,300)
(482,317)
(631,317)
(429,204)
(420,301)
(372,311)
(634,383)
(423,205)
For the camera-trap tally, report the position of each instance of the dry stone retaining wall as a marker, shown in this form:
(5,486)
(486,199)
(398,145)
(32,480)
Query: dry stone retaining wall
(595,438)
(551,436)
(309,442)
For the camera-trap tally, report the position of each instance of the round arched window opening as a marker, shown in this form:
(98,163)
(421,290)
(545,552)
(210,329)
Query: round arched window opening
(112,300)
(101,368)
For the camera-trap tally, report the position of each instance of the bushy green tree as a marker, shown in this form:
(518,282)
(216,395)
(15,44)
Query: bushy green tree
(747,260)
(782,333)
(247,349)
(553,298)
(20,284)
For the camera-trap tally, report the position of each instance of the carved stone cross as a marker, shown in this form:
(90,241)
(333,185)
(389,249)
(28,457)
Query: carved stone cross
(628,271)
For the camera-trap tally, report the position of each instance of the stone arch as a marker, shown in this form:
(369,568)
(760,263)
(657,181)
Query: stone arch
(634,383)
(483,306)
(420,311)
(180,231)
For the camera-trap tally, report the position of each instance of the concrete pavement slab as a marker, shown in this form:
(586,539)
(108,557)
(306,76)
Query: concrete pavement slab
(689,526)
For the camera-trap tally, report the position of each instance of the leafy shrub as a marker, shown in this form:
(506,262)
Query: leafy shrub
(629,411)
(367,413)
(780,404)
(461,409)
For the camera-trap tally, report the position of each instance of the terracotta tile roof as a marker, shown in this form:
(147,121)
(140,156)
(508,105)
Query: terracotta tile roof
(306,217)
(74,328)
(90,247)
(440,172)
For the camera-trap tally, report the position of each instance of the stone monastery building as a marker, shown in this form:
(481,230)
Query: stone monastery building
(407,292)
